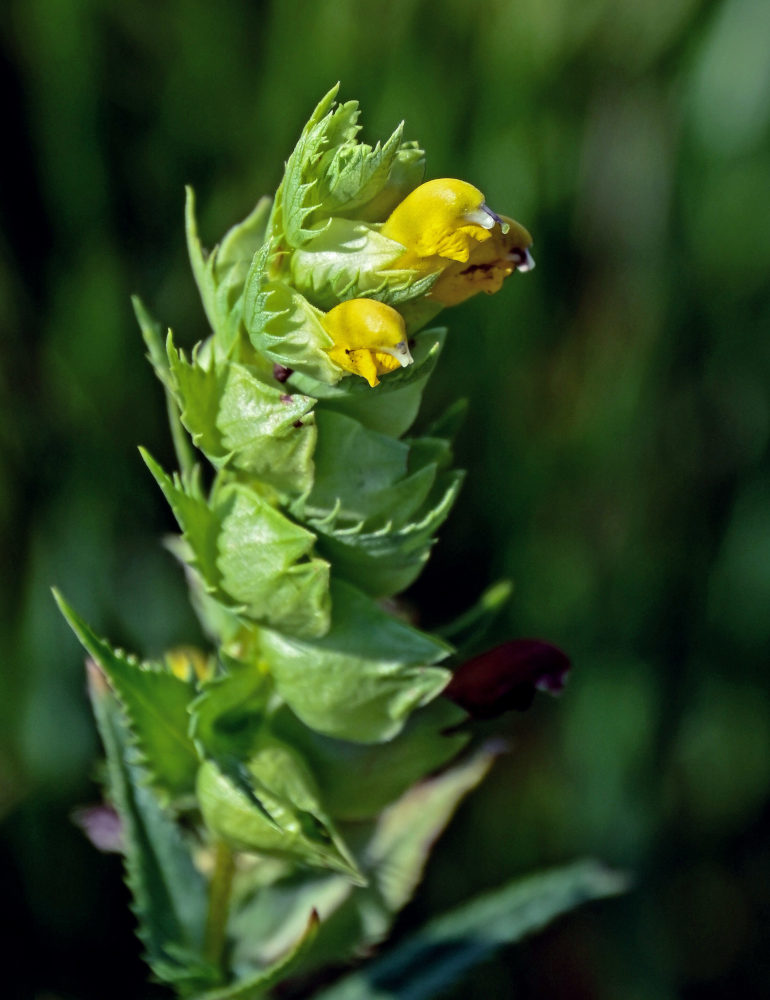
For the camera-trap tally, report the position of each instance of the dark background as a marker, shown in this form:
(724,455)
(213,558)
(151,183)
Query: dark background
(617,442)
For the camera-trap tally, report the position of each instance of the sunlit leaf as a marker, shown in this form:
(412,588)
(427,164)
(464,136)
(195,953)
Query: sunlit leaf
(155,703)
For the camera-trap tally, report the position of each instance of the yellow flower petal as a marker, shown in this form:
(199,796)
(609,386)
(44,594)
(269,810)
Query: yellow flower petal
(444,225)
(488,265)
(188,663)
(440,221)
(369,338)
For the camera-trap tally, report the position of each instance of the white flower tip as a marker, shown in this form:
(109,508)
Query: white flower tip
(484,216)
(523,259)
(400,352)
(529,262)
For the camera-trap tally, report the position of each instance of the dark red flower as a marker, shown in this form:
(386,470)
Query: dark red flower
(507,677)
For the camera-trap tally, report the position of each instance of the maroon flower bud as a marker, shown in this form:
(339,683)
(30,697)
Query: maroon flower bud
(507,677)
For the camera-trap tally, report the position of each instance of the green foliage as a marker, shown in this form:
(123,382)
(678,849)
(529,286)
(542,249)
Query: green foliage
(351,260)
(255,986)
(220,275)
(284,327)
(393,852)
(381,772)
(330,173)
(169,893)
(364,677)
(617,447)
(249,555)
(273,810)
(155,705)
(239,420)
(438,955)
(229,712)
(361,476)
(295,755)
(353,173)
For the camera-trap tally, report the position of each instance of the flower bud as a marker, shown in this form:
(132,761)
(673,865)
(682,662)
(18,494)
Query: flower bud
(369,338)
(507,677)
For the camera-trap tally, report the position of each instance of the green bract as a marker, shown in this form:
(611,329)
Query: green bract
(304,496)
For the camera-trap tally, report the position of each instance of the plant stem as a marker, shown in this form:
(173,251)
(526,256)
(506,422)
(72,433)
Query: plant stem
(219,902)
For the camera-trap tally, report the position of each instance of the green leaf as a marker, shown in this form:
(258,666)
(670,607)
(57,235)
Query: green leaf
(285,328)
(262,556)
(406,831)
(268,433)
(274,811)
(197,388)
(436,957)
(406,173)
(272,918)
(256,986)
(221,274)
(330,173)
(227,715)
(353,173)
(363,679)
(152,334)
(221,624)
(239,420)
(450,421)
(393,853)
(386,561)
(350,260)
(390,407)
(202,263)
(249,555)
(241,242)
(361,476)
(169,893)
(155,703)
(357,780)
(297,197)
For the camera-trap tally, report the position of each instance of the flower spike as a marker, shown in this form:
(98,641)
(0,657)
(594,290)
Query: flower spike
(306,503)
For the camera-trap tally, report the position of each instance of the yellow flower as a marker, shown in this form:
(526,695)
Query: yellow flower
(445,225)
(369,338)
(488,266)
(440,221)
(188,663)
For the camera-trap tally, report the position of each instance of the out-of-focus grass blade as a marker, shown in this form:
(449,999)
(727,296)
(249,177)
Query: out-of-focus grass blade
(447,947)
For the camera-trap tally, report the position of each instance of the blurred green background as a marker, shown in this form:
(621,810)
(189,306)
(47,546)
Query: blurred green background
(617,441)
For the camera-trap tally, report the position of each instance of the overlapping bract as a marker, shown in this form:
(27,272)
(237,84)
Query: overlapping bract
(304,498)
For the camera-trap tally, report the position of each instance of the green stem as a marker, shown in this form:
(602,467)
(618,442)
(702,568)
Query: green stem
(219,902)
